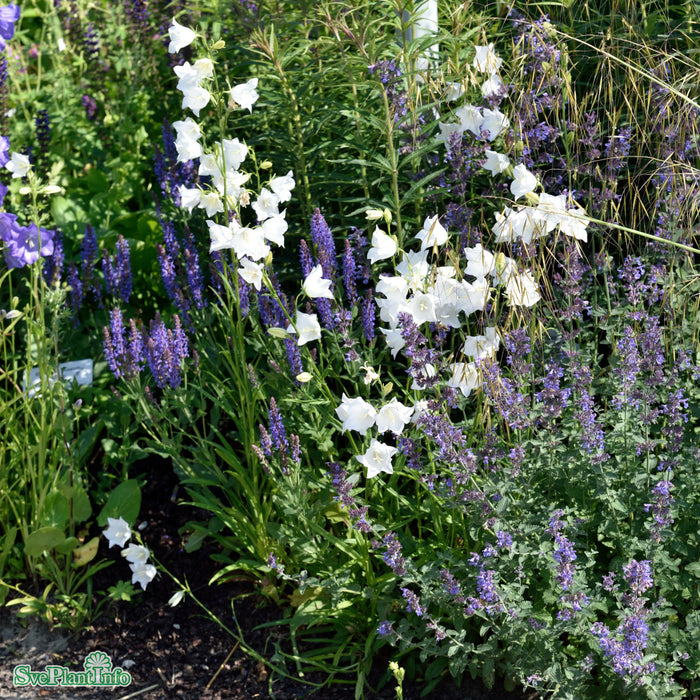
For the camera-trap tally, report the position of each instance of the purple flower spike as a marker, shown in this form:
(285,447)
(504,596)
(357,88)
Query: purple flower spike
(307,262)
(638,576)
(125,355)
(368,316)
(293,357)
(90,107)
(412,602)
(117,271)
(660,508)
(165,350)
(322,238)
(43,130)
(349,273)
(115,343)
(277,431)
(392,556)
(91,43)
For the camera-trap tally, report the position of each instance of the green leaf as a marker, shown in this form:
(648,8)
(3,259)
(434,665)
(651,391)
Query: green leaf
(384,163)
(66,211)
(85,554)
(43,540)
(97,181)
(68,545)
(194,541)
(488,672)
(124,502)
(87,440)
(82,509)
(56,512)
(147,227)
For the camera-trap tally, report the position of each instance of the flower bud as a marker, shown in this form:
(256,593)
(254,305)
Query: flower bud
(176,598)
(278,333)
(500,263)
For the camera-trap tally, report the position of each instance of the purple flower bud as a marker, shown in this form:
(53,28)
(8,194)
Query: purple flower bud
(307,263)
(349,273)
(369,316)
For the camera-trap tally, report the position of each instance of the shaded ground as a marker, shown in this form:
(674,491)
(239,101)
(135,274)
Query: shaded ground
(178,652)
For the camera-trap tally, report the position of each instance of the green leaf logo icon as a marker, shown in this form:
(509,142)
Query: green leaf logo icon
(98,659)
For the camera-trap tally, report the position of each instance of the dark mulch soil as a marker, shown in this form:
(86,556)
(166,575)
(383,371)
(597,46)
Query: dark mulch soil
(178,652)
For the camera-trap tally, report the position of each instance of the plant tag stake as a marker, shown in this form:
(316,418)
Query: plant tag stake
(79,371)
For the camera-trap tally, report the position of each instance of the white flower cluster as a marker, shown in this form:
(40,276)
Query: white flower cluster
(524,222)
(430,294)
(531,222)
(480,121)
(118,532)
(249,243)
(487,61)
(358,414)
(222,164)
(438,295)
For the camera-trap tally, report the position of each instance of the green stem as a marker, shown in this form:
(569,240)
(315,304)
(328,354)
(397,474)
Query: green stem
(295,127)
(393,161)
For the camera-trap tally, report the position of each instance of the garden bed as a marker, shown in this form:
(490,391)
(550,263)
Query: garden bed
(400,304)
(178,652)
